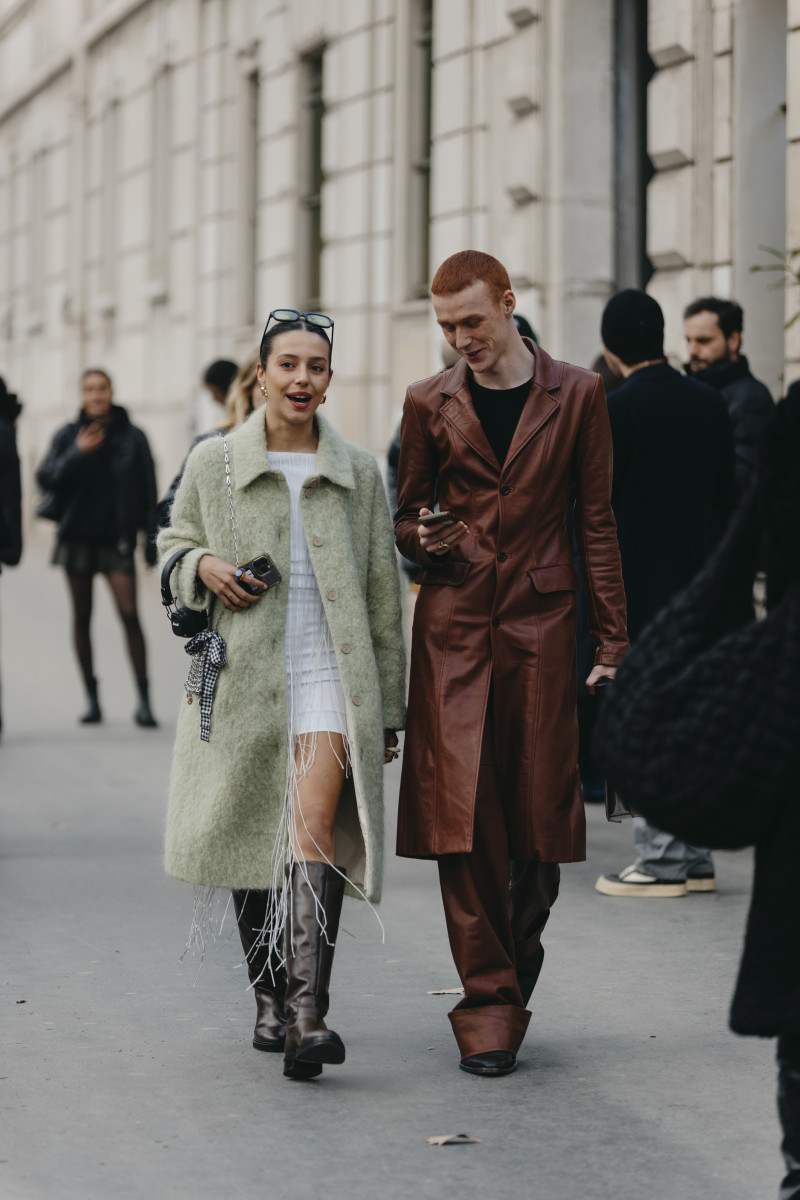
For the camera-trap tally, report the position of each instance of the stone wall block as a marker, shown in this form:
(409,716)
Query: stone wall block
(451,86)
(669,219)
(670,141)
(349,71)
(670,31)
(793,86)
(721,208)
(450,181)
(723,26)
(451,27)
(723,106)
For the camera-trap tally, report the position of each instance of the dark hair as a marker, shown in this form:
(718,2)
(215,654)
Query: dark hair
(633,327)
(289,327)
(10,407)
(97,371)
(524,327)
(220,374)
(729,314)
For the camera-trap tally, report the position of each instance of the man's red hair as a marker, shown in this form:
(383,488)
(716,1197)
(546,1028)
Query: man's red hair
(461,270)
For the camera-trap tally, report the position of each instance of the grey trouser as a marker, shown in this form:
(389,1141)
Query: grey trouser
(661,854)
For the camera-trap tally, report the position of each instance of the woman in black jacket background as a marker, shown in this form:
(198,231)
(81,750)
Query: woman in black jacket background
(100,486)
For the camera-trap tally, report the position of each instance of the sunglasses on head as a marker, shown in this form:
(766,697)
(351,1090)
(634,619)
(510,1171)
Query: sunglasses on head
(281,315)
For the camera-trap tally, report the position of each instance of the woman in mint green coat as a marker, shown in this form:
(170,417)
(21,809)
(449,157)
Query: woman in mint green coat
(297,690)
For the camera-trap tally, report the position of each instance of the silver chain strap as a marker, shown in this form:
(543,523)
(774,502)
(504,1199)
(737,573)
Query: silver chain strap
(230,500)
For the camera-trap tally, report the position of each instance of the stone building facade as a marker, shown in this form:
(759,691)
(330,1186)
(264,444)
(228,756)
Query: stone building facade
(172,169)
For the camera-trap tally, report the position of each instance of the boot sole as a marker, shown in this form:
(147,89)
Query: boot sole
(292,1069)
(488,1070)
(701,885)
(270,1047)
(656,891)
(325,1049)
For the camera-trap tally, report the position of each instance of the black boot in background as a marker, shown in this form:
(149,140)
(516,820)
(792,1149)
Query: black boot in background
(143,716)
(309,960)
(266,975)
(92,715)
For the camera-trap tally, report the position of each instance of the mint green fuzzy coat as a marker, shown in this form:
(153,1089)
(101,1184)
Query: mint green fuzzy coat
(227,795)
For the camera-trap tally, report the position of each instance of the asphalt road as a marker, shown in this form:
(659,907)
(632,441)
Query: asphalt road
(127,1073)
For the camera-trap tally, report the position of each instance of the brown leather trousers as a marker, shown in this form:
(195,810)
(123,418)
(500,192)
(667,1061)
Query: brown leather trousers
(495,911)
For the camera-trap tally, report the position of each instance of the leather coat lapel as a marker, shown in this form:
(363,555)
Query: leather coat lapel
(539,406)
(459,412)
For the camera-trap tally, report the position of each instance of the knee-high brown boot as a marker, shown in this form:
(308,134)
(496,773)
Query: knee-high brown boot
(269,985)
(312,926)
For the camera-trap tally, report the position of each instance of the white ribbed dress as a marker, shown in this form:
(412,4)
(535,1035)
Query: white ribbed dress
(315,696)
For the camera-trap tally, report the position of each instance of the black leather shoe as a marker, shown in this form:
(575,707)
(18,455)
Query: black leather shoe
(493,1062)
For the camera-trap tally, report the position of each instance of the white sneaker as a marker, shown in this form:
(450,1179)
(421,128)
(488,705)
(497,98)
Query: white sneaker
(632,882)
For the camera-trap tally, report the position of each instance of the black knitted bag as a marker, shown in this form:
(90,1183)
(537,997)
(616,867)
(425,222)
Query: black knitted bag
(701,730)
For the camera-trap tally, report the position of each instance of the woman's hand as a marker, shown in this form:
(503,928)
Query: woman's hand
(90,437)
(390,751)
(220,578)
(439,539)
(597,674)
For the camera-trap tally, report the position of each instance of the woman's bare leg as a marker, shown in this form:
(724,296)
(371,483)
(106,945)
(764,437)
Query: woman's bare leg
(319,787)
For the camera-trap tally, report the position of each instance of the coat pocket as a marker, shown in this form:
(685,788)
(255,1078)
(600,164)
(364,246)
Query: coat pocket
(559,578)
(450,574)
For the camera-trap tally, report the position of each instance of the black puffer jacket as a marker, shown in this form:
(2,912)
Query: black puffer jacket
(750,406)
(105,497)
(10,505)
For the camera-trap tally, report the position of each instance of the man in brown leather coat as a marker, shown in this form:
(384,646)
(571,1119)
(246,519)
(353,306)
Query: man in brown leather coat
(490,785)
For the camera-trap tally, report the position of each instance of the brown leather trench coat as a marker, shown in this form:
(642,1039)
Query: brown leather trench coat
(500,609)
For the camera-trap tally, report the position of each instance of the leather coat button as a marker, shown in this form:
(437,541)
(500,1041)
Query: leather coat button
(505,491)
(346,648)
(496,622)
(332,594)
(356,700)
(317,541)
(502,556)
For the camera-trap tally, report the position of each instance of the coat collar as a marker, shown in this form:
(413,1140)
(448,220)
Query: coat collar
(459,410)
(249,444)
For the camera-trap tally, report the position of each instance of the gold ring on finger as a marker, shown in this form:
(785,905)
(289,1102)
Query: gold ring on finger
(443,546)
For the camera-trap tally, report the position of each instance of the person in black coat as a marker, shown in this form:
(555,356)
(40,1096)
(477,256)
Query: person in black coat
(713,329)
(703,726)
(99,482)
(672,494)
(10,492)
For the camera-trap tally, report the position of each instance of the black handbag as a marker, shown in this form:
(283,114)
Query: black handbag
(185,622)
(49,506)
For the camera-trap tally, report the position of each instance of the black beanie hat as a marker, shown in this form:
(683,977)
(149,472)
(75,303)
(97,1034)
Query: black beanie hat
(633,327)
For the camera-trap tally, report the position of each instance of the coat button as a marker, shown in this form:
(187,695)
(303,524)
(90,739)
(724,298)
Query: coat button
(346,648)
(505,490)
(502,556)
(332,594)
(317,541)
(356,700)
(496,622)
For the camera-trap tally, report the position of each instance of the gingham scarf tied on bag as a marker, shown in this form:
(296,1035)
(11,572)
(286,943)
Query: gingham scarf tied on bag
(207,650)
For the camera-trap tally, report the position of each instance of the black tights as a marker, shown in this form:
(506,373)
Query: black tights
(789,1108)
(123,589)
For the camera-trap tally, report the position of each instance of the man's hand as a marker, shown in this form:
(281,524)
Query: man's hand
(220,578)
(90,437)
(390,751)
(597,673)
(439,540)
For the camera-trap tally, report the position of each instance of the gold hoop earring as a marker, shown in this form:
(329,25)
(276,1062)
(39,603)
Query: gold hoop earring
(324,398)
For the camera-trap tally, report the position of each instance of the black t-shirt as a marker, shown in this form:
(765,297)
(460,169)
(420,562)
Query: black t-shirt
(499,413)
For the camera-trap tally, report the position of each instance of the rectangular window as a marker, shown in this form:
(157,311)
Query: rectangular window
(37,215)
(311,135)
(420,91)
(248,197)
(160,184)
(108,239)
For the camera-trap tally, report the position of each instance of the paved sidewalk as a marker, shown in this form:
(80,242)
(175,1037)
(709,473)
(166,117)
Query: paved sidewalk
(124,1073)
